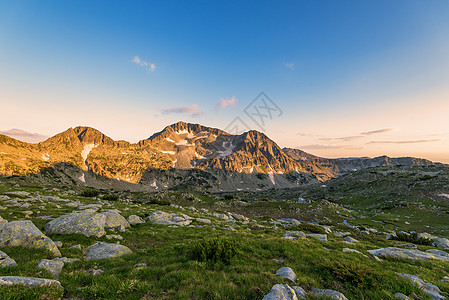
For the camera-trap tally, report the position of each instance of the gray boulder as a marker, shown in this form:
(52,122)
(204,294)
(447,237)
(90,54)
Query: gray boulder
(406,254)
(330,294)
(114,219)
(6,261)
(52,266)
(432,290)
(441,243)
(300,292)
(286,273)
(25,234)
(350,240)
(320,237)
(30,282)
(294,234)
(401,296)
(439,252)
(105,250)
(163,218)
(133,220)
(88,224)
(281,292)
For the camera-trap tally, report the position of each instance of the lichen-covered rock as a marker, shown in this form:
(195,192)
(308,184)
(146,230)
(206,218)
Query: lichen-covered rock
(52,266)
(25,234)
(114,219)
(133,220)
(6,261)
(432,290)
(330,294)
(281,292)
(286,273)
(30,282)
(441,243)
(105,250)
(88,224)
(163,218)
(406,253)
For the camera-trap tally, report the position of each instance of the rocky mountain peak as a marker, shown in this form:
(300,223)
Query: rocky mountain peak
(89,135)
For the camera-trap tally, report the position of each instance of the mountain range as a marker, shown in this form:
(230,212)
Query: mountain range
(180,154)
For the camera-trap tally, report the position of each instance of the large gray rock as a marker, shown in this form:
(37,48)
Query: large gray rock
(114,219)
(133,220)
(432,290)
(88,224)
(441,243)
(52,266)
(330,294)
(406,254)
(29,282)
(105,250)
(281,292)
(163,218)
(438,252)
(300,292)
(25,234)
(6,261)
(286,273)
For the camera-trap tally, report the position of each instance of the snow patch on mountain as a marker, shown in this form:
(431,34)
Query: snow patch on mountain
(168,152)
(45,157)
(81,178)
(228,149)
(271,176)
(184,143)
(170,140)
(86,151)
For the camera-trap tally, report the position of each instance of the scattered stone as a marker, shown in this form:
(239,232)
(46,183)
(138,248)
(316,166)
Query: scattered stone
(119,228)
(341,234)
(438,252)
(141,265)
(76,247)
(95,272)
(441,243)
(350,240)
(30,282)
(401,296)
(300,292)
(52,266)
(105,250)
(114,236)
(205,221)
(320,237)
(331,294)
(163,218)
(349,250)
(25,234)
(133,220)
(289,234)
(66,260)
(432,290)
(6,261)
(281,292)
(406,253)
(114,219)
(286,273)
(58,244)
(407,246)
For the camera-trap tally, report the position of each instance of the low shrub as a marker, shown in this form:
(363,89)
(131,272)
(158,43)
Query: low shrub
(110,197)
(354,273)
(90,193)
(412,238)
(215,250)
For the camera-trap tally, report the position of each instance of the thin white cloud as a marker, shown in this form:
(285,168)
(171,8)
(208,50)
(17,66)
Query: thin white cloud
(24,136)
(345,138)
(193,109)
(138,61)
(405,142)
(379,131)
(327,147)
(223,103)
(290,65)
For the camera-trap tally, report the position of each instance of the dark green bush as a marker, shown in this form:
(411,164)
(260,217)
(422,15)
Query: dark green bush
(228,197)
(90,193)
(412,238)
(215,250)
(110,197)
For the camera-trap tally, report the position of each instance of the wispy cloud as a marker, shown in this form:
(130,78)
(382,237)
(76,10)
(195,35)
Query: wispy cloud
(290,65)
(24,136)
(327,147)
(306,134)
(405,142)
(193,109)
(223,103)
(345,138)
(379,131)
(138,61)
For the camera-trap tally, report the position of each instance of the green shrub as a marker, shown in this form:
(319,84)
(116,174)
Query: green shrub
(215,250)
(90,193)
(228,197)
(412,238)
(110,197)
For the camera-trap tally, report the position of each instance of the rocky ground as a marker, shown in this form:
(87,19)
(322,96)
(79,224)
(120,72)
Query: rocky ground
(65,243)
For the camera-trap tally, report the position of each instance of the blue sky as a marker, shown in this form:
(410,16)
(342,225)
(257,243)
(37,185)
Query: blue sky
(336,68)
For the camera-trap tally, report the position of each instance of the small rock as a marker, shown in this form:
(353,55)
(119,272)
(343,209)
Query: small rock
(29,282)
(95,272)
(331,294)
(281,292)
(350,240)
(401,296)
(76,247)
(300,292)
(320,237)
(286,273)
(6,261)
(105,250)
(349,250)
(432,290)
(58,244)
(141,265)
(205,221)
(114,236)
(52,266)
(133,220)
